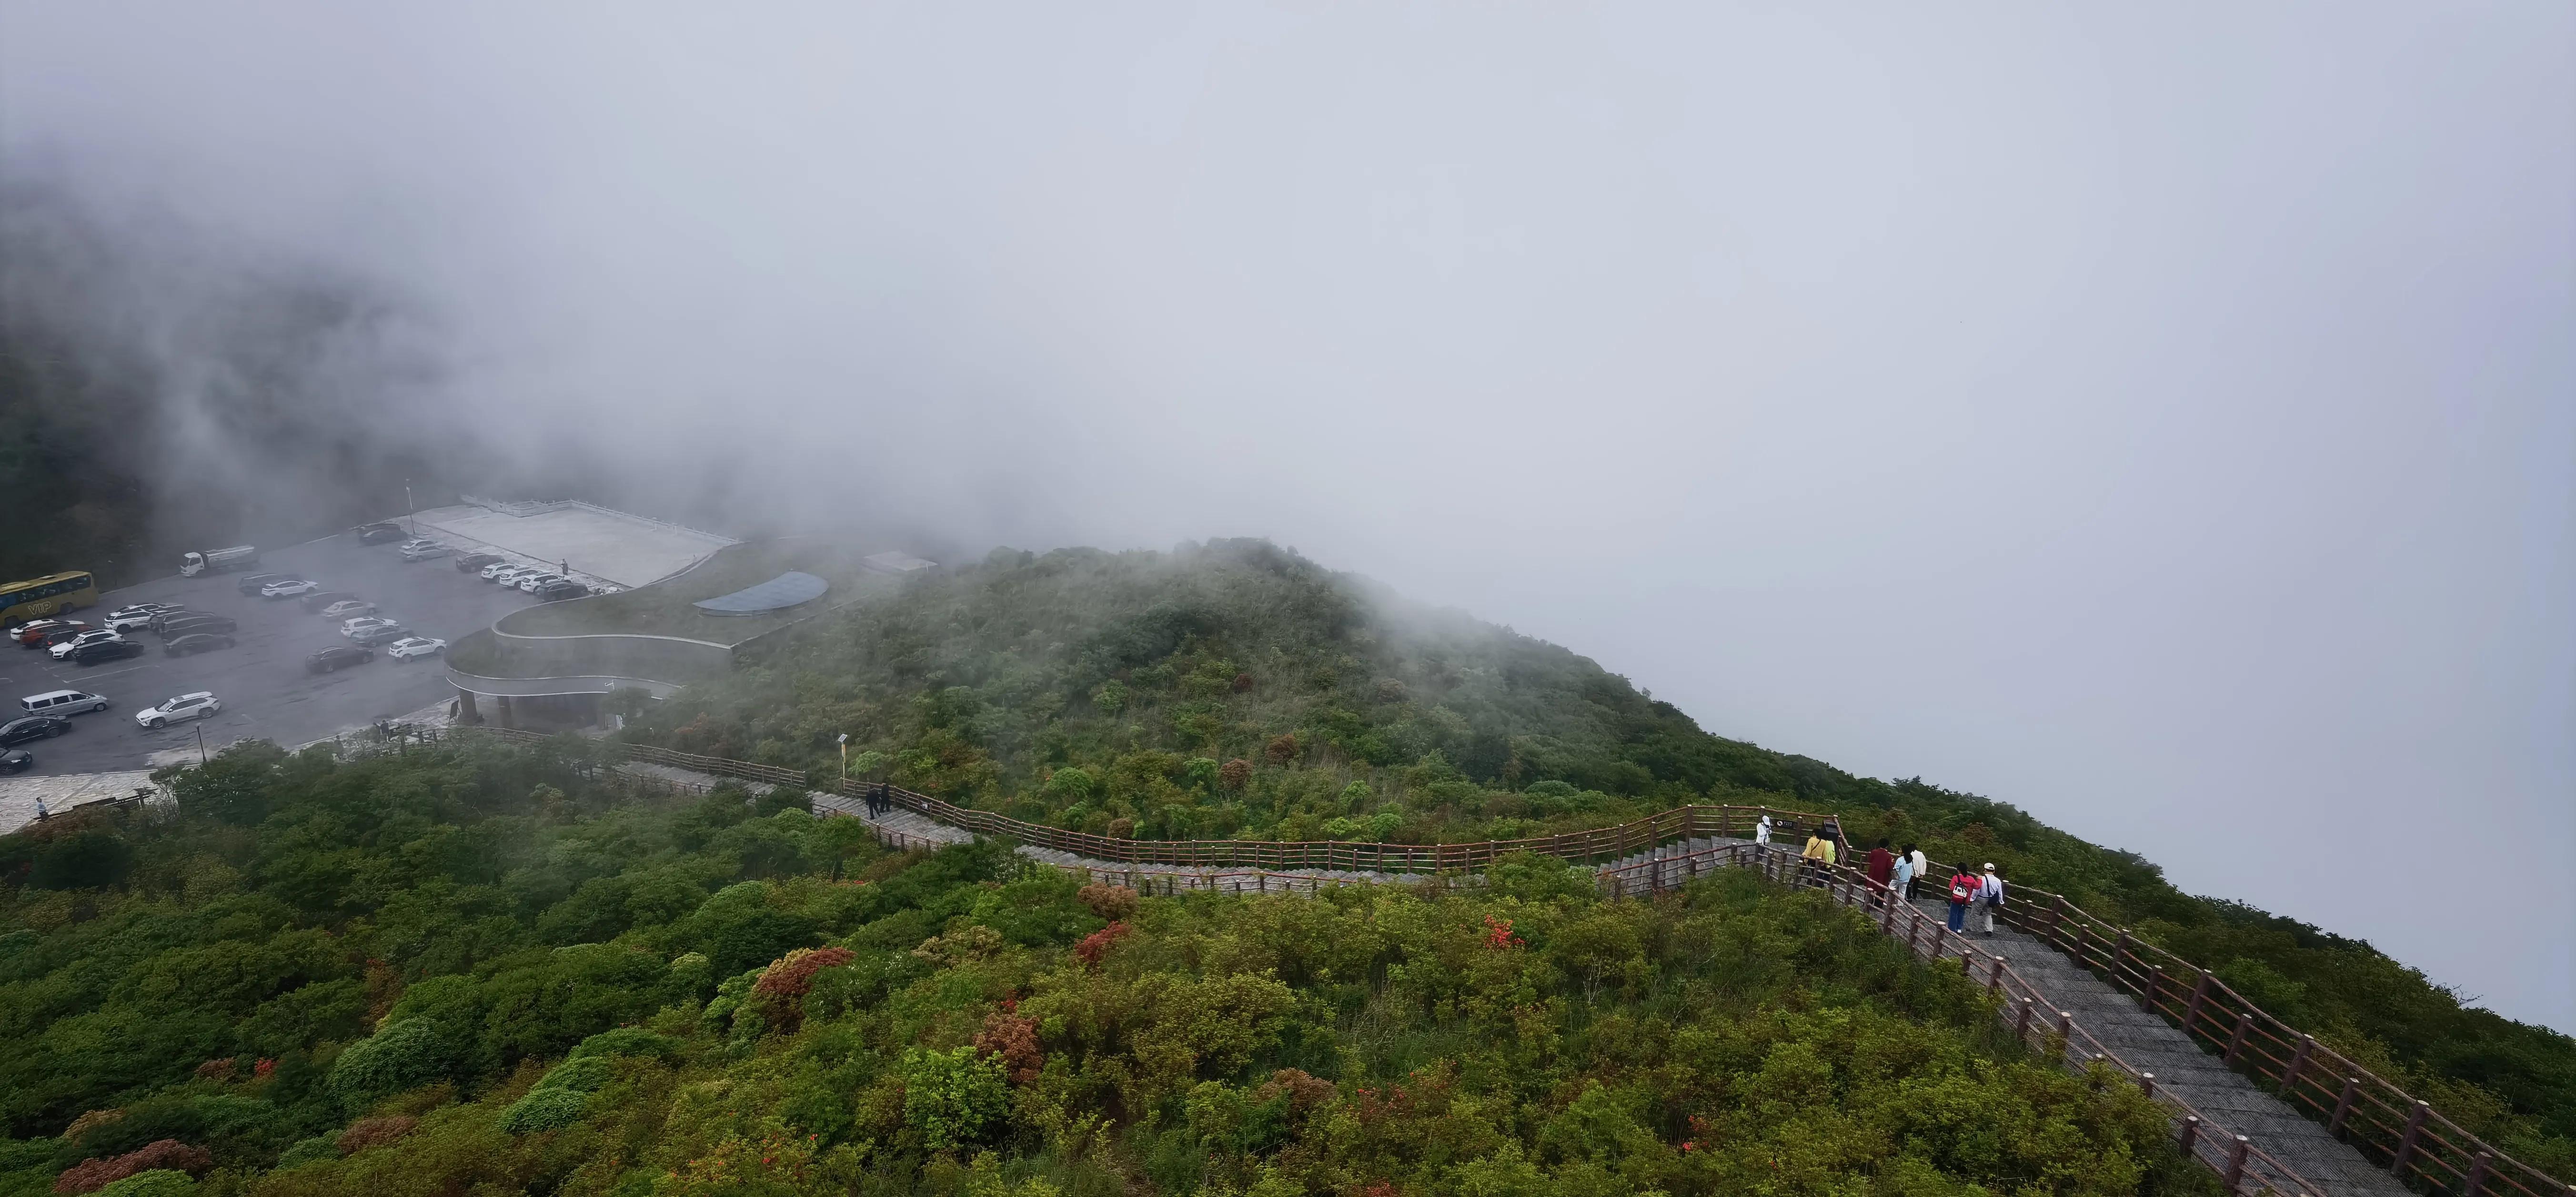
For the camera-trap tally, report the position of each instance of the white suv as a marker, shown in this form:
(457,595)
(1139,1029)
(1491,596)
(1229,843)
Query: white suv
(200,705)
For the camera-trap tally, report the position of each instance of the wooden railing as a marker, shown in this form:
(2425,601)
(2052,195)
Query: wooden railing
(2387,1125)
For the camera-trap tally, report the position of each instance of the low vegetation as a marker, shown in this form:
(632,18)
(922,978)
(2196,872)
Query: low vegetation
(472,971)
(1237,690)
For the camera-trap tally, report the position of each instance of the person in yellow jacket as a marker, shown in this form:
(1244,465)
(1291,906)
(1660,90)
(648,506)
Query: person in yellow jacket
(1820,850)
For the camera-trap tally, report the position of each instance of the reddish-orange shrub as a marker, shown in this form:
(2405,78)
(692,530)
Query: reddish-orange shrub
(91,1175)
(1015,1040)
(1097,944)
(782,986)
(1234,773)
(375,1132)
(1112,902)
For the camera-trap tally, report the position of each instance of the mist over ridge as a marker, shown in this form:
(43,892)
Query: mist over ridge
(2155,420)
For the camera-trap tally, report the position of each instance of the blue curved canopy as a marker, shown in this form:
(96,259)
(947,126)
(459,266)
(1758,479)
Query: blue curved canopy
(777,594)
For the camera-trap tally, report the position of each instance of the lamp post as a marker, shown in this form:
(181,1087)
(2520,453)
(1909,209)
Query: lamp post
(409,512)
(845,760)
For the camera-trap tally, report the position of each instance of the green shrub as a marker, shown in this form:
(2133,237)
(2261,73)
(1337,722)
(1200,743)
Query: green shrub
(159,1182)
(544,1110)
(954,1097)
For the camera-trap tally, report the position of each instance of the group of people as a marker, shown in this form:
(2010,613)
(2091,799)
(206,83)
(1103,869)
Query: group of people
(1900,873)
(879,799)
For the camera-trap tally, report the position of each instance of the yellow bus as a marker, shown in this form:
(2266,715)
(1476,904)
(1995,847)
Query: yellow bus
(49,595)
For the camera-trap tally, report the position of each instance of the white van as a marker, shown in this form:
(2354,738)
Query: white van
(62,702)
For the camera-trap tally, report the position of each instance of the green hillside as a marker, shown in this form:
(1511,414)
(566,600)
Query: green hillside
(465,971)
(1237,690)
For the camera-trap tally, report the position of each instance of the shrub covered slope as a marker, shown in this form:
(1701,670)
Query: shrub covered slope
(1237,690)
(466,971)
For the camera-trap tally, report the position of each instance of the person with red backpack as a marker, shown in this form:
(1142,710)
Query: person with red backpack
(1963,890)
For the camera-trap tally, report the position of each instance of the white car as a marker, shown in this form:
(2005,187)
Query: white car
(348,608)
(288,588)
(127,619)
(504,572)
(531,582)
(423,552)
(511,577)
(200,705)
(351,627)
(415,646)
(64,650)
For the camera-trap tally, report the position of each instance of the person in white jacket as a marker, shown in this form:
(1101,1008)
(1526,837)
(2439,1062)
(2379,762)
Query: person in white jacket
(1762,831)
(1990,895)
(1922,866)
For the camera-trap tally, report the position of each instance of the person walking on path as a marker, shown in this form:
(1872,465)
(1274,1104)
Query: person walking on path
(1902,885)
(1762,832)
(1820,852)
(1922,868)
(1882,869)
(1990,895)
(1963,890)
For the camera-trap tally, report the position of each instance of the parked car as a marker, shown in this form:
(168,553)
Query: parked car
(137,616)
(467,563)
(180,646)
(348,608)
(64,648)
(351,627)
(161,623)
(106,650)
(252,583)
(195,625)
(379,533)
(415,646)
(425,552)
(200,705)
(379,634)
(62,702)
(509,575)
(33,727)
(288,588)
(323,598)
(532,581)
(336,657)
(55,637)
(17,760)
(556,592)
(32,633)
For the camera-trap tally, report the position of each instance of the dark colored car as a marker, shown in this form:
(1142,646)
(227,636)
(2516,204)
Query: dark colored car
(161,623)
(17,760)
(337,657)
(107,650)
(380,533)
(471,562)
(555,592)
(250,583)
(181,646)
(33,727)
(383,633)
(324,598)
(199,625)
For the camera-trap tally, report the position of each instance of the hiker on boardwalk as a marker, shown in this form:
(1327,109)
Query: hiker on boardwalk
(1990,895)
(1819,851)
(1882,869)
(1963,890)
(1762,832)
(1922,869)
(1902,884)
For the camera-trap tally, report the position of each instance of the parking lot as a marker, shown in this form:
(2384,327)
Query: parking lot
(265,691)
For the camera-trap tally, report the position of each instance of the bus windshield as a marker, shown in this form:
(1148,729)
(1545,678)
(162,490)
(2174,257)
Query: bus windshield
(40,597)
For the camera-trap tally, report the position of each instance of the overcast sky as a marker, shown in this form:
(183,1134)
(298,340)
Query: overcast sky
(2159,416)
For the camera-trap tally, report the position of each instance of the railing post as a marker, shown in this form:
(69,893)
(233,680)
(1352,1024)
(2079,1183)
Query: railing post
(2236,1163)
(2119,952)
(2406,1141)
(2078,950)
(2065,1031)
(2477,1174)
(1995,982)
(2199,997)
(2190,1132)
(2147,1084)
(2057,922)
(2236,1041)
(2343,1105)
(2021,1027)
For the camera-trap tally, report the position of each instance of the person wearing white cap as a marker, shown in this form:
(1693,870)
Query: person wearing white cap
(1990,894)
(1762,832)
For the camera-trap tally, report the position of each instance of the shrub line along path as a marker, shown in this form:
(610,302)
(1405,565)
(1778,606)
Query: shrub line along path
(2179,1065)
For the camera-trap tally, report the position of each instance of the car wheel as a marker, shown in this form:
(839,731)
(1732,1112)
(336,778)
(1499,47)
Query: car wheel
(102,705)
